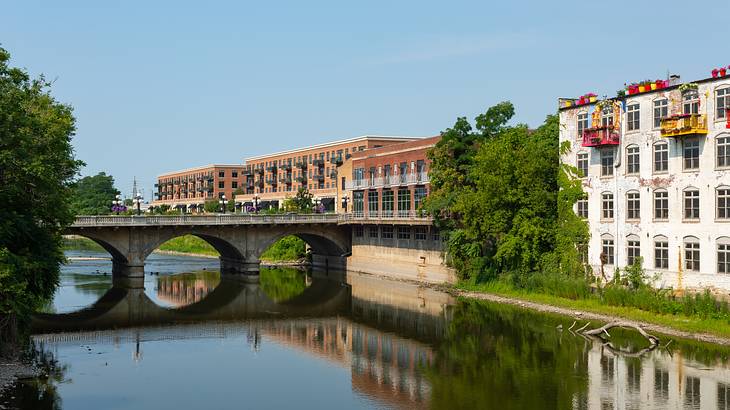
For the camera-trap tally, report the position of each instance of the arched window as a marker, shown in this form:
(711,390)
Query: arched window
(722,102)
(607,205)
(582,124)
(722,150)
(633,205)
(692,253)
(723,254)
(661,157)
(722,201)
(691,102)
(582,163)
(661,110)
(632,159)
(607,248)
(661,204)
(633,249)
(661,252)
(632,116)
(691,196)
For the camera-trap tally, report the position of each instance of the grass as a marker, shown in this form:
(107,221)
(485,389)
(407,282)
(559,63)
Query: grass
(701,318)
(78,243)
(189,244)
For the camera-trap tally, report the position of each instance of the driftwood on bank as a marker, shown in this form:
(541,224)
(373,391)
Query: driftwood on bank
(653,340)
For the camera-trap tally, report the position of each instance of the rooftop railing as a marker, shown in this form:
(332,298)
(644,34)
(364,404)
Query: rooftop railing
(392,180)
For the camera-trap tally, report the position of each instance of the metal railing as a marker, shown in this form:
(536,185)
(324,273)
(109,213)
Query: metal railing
(686,124)
(243,219)
(392,180)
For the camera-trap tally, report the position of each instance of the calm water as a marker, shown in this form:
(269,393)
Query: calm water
(185,338)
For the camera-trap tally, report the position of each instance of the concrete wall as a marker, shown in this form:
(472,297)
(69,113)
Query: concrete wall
(419,260)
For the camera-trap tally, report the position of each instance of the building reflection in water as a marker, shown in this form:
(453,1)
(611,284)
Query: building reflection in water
(187,288)
(657,379)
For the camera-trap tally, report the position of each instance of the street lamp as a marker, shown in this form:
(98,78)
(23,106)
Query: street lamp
(138,202)
(256,203)
(117,203)
(345,198)
(223,201)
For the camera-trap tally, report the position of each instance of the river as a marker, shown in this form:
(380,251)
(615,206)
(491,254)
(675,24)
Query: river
(185,338)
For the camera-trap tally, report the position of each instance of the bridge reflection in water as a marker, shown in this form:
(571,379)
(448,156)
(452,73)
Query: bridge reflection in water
(340,320)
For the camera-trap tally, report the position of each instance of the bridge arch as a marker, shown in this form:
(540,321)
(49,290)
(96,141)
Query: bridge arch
(328,247)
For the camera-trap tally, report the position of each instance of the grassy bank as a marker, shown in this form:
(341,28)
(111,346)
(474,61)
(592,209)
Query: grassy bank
(287,249)
(692,313)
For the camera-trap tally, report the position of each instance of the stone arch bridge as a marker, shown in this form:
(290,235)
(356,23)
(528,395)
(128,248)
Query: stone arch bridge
(240,239)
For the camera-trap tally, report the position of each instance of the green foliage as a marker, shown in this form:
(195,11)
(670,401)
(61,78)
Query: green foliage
(93,195)
(302,202)
(37,168)
(212,206)
(80,243)
(281,284)
(288,248)
(189,244)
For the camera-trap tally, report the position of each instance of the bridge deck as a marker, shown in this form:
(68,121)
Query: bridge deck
(247,219)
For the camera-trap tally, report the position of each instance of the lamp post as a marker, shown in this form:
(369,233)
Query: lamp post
(138,202)
(223,201)
(256,203)
(117,203)
(344,202)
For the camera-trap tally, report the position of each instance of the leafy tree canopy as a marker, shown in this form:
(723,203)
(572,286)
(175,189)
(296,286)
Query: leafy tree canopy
(37,167)
(302,202)
(93,195)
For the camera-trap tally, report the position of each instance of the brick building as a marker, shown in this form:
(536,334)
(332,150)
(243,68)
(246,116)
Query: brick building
(269,179)
(188,189)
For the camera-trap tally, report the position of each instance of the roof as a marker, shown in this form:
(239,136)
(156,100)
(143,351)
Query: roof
(200,168)
(334,143)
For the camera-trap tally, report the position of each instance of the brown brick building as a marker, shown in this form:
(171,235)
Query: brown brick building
(269,179)
(188,189)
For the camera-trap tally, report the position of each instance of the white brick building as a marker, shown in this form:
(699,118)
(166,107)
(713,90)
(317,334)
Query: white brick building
(657,166)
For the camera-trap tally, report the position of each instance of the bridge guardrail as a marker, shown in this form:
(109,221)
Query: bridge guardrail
(246,219)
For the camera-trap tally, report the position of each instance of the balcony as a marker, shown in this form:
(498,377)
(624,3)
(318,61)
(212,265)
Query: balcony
(285,180)
(259,170)
(684,124)
(318,177)
(286,167)
(318,162)
(272,181)
(301,179)
(337,160)
(247,172)
(271,168)
(301,164)
(600,136)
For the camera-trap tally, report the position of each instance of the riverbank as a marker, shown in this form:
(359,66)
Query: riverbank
(582,311)
(13,370)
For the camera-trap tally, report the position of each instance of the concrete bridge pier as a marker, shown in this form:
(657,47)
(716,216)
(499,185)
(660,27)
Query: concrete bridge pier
(248,269)
(328,262)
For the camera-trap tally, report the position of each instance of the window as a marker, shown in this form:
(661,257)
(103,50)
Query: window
(723,255)
(435,235)
(661,384)
(373,203)
(404,232)
(234,184)
(691,154)
(661,110)
(221,184)
(404,202)
(582,208)
(419,233)
(722,102)
(386,232)
(691,204)
(357,203)
(632,117)
(691,253)
(723,203)
(607,162)
(582,123)
(234,174)
(723,151)
(373,231)
(691,102)
(632,159)
(418,195)
(633,250)
(358,231)
(607,248)
(661,204)
(692,392)
(221,174)
(723,396)
(607,116)
(583,163)
(661,252)
(633,205)
(661,157)
(607,205)
(387,205)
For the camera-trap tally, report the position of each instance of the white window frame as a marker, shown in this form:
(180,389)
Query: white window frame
(606,169)
(722,253)
(608,247)
(607,206)
(580,158)
(691,102)
(722,102)
(661,252)
(633,249)
(582,123)
(691,247)
(660,148)
(661,110)
(722,203)
(693,146)
(663,196)
(633,206)
(581,208)
(722,146)
(633,117)
(691,197)
(633,159)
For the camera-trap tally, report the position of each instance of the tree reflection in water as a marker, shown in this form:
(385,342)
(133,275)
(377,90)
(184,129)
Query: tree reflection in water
(282,284)
(39,393)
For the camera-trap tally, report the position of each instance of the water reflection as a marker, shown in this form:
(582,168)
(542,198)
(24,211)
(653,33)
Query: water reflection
(350,341)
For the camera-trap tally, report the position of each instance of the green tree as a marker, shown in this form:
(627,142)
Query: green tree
(37,168)
(212,206)
(302,202)
(93,195)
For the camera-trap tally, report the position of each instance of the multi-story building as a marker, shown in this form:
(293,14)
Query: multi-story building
(269,179)
(655,165)
(188,189)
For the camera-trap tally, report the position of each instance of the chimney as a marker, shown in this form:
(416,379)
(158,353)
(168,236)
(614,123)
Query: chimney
(673,79)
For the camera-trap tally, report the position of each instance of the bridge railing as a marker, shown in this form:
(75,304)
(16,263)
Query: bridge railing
(248,219)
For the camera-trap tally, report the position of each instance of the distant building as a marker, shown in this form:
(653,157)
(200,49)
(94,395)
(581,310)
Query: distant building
(188,189)
(656,172)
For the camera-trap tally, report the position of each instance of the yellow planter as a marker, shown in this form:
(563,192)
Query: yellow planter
(568,103)
(642,88)
(593,99)
(653,86)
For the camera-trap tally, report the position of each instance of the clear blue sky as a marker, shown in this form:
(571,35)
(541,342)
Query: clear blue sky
(158,86)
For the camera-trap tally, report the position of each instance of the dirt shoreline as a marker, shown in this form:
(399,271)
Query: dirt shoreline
(586,316)
(13,370)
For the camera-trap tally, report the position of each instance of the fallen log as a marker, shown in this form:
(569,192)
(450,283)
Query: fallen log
(653,340)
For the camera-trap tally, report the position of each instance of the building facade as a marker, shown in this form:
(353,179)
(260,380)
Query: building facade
(188,189)
(655,165)
(270,179)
